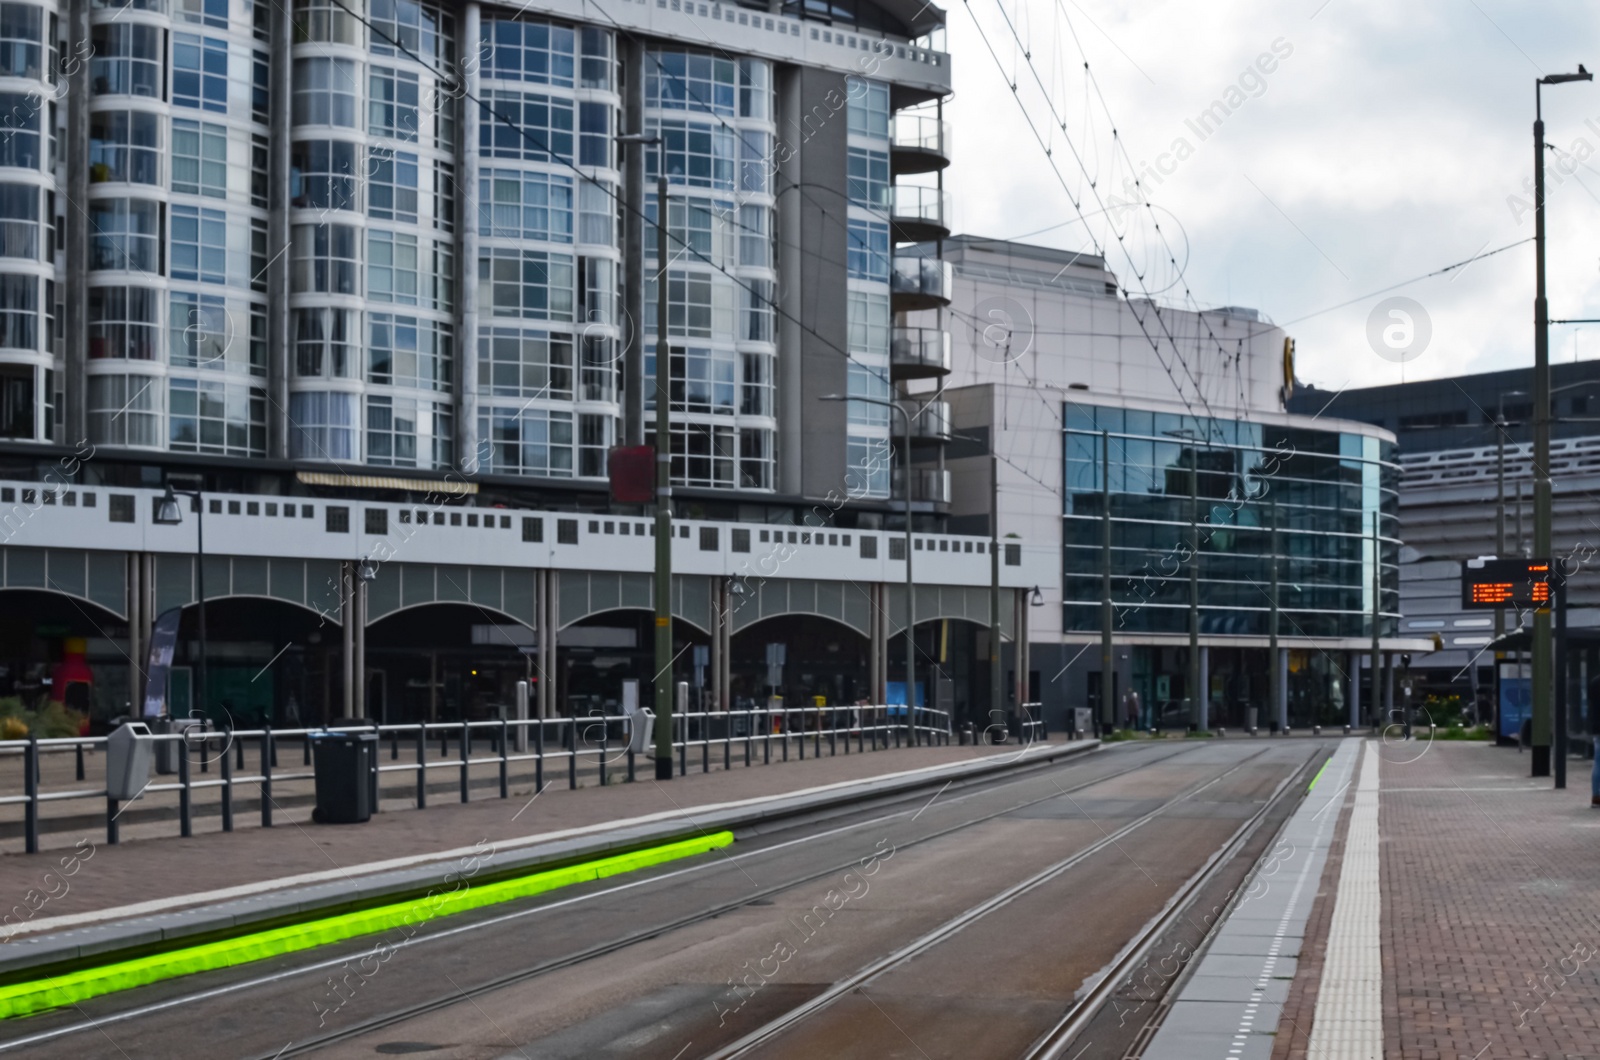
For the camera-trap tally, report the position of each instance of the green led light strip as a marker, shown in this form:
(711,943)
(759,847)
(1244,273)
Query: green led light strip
(22,999)
(1312,786)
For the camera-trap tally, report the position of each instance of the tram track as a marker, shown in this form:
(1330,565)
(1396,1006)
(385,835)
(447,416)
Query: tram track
(189,1000)
(1067,1028)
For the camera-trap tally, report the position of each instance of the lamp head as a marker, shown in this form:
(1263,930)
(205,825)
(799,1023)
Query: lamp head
(168,511)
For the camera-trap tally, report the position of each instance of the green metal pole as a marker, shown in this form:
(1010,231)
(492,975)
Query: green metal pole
(1541,459)
(1107,681)
(663,583)
(1377,612)
(1195,715)
(996,683)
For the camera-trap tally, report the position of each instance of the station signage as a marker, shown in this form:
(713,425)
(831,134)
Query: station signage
(1511,584)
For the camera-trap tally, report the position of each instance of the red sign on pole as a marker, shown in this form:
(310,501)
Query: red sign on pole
(632,469)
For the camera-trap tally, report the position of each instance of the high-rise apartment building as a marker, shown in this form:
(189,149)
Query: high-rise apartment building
(398,234)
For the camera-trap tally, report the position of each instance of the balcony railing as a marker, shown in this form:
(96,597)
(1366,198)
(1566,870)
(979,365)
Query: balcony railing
(927,484)
(919,214)
(921,283)
(920,144)
(930,421)
(919,353)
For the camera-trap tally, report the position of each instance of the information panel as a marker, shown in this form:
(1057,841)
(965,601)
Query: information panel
(1492,584)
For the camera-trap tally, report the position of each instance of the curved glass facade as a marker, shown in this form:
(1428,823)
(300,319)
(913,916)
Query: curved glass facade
(1321,489)
(372,243)
(29,341)
(714,117)
(178,198)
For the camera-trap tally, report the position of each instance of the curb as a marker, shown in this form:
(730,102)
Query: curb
(72,949)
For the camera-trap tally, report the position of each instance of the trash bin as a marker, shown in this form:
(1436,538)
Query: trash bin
(343,764)
(167,751)
(128,752)
(642,731)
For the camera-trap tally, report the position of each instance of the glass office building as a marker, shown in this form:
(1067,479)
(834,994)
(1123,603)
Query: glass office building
(1238,486)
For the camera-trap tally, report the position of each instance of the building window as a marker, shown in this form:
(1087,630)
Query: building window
(868,324)
(702,454)
(392,185)
(756,315)
(528,441)
(755,89)
(125,234)
(392,267)
(532,528)
(325,259)
(199,244)
(527,50)
(199,158)
(19,144)
(703,379)
(698,305)
(19,221)
(596,69)
(125,409)
(420,29)
(127,61)
(124,323)
(19,312)
(867,468)
(124,147)
(594,135)
(869,179)
(691,81)
(868,382)
(441,293)
(198,331)
(525,283)
(322,174)
(200,72)
(526,125)
(514,362)
(392,104)
(699,154)
(203,12)
(324,343)
(405,351)
(391,431)
(868,251)
(444,195)
(868,108)
(755,245)
(21,41)
(322,425)
(517,205)
(755,386)
(755,458)
(324,21)
(225,419)
(325,92)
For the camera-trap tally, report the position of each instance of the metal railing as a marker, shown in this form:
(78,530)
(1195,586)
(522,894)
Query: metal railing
(596,745)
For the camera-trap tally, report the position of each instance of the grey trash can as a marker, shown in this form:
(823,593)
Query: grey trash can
(167,751)
(642,731)
(129,749)
(343,764)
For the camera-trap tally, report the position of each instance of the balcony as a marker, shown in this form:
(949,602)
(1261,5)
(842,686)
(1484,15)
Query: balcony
(920,283)
(920,143)
(917,215)
(929,485)
(932,424)
(919,353)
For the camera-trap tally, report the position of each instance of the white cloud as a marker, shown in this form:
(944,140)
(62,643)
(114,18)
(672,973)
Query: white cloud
(1387,142)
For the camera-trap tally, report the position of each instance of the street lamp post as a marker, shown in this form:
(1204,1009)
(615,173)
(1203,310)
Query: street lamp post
(910,631)
(170,513)
(1198,707)
(663,580)
(1541,432)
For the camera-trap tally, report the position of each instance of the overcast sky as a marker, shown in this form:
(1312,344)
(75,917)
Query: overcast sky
(1384,143)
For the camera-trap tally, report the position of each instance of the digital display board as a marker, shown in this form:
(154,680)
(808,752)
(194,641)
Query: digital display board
(1492,584)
